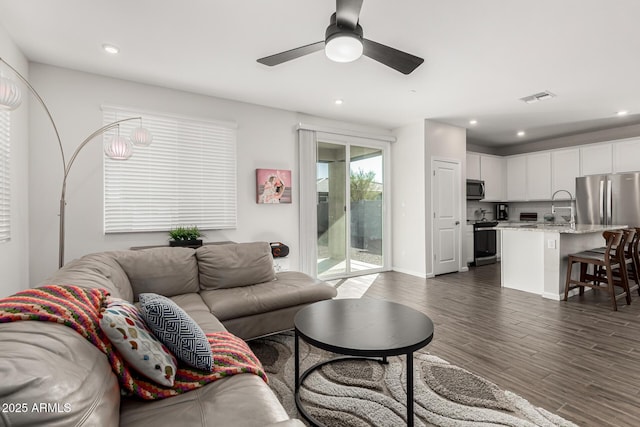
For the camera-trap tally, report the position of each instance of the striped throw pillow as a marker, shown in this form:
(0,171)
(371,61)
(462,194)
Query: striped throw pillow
(177,330)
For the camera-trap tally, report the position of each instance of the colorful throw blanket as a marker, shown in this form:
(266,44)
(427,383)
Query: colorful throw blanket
(79,309)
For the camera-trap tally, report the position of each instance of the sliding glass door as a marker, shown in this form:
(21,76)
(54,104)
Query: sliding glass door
(332,212)
(350,209)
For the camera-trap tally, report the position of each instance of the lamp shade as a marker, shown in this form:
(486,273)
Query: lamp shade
(141,137)
(343,47)
(10,95)
(118,148)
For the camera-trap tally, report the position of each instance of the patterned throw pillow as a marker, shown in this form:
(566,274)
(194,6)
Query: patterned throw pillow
(177,330)
(122,323)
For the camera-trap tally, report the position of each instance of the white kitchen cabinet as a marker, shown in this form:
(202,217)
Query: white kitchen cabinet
(491,172)
(469,244)
(539,176)
(596,159)
(565,168)
(473,166)
(626,156)
(516,178)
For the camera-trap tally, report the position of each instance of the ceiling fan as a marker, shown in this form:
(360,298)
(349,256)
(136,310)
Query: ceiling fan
(344,42)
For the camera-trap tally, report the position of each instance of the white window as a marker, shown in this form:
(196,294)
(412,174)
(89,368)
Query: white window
(5,178)
(187,176)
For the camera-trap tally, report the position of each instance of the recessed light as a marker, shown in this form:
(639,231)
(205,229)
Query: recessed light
(473,122)
(521,133)
(339,101)
(622,113)
(109,48)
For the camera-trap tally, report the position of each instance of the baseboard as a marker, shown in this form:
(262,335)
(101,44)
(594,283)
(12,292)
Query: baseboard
(409,272)
(560,297)
(463,269)
(551,295)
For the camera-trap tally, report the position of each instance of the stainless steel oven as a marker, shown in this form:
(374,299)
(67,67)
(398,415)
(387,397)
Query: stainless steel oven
(484,243)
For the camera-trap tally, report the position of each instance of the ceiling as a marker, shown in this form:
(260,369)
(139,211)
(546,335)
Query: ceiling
(481,56)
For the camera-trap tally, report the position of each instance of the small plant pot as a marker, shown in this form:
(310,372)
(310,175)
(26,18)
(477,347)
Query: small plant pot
(187,243)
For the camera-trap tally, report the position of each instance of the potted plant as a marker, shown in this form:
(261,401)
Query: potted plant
(185,236)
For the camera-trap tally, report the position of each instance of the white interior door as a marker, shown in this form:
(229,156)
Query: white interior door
(446,216)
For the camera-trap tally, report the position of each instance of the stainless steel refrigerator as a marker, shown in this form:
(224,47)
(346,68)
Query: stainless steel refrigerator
(612,199)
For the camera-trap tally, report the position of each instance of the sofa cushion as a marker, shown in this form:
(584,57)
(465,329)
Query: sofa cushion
(291,288)
(49,363)
(127,331)
(199,311)
(99,270)
(234,264)
(237,401)
(179,332)
(165,271)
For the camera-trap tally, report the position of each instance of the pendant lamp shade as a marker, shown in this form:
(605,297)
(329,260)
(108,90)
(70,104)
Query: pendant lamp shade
(141,137)
(10,95)
(119,148)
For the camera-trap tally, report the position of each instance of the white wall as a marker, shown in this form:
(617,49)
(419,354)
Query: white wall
(14,255)
(444,142)
(408,200)
(266,139)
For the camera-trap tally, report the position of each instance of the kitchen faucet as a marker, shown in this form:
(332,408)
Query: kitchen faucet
(570,207)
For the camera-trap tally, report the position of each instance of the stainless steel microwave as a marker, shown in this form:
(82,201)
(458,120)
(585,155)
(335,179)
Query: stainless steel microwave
(475,189)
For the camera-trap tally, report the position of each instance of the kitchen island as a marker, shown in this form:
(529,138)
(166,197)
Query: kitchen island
(534,256)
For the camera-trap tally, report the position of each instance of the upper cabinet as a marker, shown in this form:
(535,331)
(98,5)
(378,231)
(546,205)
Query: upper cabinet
(539,176)
(473,166)
(597,159)
(492,173)
(565,167)
(489,169)
(516,178)
(529,177)
(626,155)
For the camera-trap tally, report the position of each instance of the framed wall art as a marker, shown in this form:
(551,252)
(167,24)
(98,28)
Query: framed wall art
(273,186)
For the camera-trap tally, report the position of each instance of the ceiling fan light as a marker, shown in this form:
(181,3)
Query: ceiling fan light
(118,148)
(10,95)
(343,47)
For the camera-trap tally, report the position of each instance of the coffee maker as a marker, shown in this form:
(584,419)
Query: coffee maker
(502,212)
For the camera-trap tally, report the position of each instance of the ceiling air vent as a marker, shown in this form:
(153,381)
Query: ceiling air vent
(541,96)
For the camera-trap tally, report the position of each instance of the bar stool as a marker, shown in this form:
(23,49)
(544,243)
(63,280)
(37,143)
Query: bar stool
(603,266)
(631,258)
(633,261)
(636,259)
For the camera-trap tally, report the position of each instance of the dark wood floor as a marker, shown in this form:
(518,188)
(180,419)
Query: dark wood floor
(578,359)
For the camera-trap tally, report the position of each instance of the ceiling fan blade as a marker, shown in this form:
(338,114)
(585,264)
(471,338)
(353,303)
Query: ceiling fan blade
(348,13)
(394,58)
(288,55)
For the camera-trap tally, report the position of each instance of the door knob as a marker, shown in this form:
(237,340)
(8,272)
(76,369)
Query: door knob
(457,222)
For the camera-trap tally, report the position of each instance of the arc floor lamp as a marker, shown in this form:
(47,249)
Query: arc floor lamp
(118,148)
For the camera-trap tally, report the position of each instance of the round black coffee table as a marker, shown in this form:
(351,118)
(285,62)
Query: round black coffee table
(361,328)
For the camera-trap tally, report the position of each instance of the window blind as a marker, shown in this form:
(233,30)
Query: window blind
(5,177)
(187,176)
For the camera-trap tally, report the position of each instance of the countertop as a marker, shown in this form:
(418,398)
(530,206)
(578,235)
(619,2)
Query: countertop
(558,228)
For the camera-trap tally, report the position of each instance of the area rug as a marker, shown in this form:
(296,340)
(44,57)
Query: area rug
(367,393)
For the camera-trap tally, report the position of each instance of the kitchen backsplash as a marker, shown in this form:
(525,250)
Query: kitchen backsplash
(474,210)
